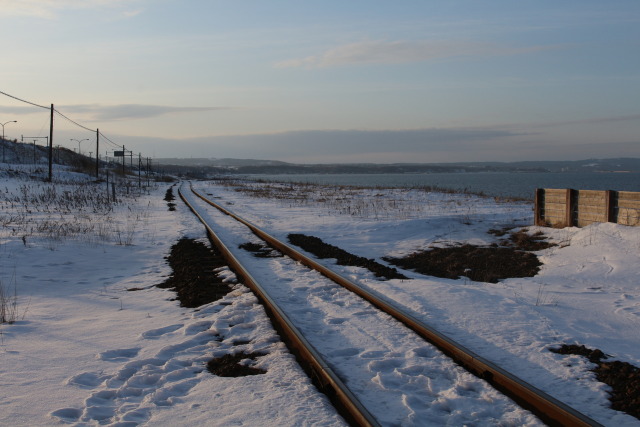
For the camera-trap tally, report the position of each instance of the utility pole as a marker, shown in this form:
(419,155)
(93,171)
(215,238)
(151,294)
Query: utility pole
(34,138)
(123,159)
(148,171)
(51,146)
(97,153)
(139,170)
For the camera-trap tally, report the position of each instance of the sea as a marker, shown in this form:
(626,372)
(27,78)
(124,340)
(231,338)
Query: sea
(496,184)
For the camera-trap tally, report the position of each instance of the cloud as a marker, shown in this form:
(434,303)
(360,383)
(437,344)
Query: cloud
(593,120)
(387,146)
(12,110)
(399,52)
(96,112)
(353,145)
(49,9)
(132,13)
(379,141)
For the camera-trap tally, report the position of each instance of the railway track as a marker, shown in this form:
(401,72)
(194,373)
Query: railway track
(352,398)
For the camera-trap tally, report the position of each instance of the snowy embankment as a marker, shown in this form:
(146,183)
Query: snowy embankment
(84,350)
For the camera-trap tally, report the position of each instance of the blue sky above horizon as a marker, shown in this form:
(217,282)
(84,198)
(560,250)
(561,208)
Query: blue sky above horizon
(331,81)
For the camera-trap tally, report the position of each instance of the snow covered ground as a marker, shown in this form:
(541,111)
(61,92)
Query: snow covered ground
(83,350)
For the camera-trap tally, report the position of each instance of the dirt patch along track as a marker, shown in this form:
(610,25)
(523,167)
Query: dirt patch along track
(320,249)
(196,284)
(622,377)
(511,258)
(193,278)
(481,264)
(231,365)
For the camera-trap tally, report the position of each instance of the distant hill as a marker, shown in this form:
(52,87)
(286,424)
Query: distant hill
(224,163)
(252,166)
(588,165)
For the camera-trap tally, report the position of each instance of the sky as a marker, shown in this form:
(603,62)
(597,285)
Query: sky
(327,82)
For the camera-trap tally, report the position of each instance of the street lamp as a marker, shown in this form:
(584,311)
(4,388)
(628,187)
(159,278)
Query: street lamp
(79,141)
(3,140)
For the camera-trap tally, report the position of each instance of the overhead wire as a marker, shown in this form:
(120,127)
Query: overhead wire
(110,141)
(74,122)
(25,101)
(63,116)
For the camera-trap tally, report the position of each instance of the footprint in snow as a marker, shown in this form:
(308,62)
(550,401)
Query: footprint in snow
(87,380)
(155,333)
(118,355)
(67,415)
(198,327)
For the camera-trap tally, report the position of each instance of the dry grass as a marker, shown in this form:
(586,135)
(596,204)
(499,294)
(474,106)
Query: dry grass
(361,202)
(61,210)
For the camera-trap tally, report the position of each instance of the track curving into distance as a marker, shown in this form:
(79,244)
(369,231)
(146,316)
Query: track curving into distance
(547,408)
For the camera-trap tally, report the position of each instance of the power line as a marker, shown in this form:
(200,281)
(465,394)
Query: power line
(86,128)
(108,140)
(75,123)
(63,116)
(22,100)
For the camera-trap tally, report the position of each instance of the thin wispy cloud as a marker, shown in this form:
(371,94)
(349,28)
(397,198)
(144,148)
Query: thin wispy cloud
(594,120)
(356,143)
(96,112)
(20,110)
(106,113)
(399,52)
(50,9)
(132,13)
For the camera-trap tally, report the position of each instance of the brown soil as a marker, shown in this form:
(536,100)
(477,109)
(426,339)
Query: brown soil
(229,365)
(168,197)
(480,264)
(196,284)
(510,258)
(193,277)
(527,242)
(622,377)
(322,250)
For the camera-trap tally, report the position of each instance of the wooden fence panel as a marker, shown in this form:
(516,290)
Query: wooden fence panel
(628,208)
(591,207)
(552,206)
(567,207)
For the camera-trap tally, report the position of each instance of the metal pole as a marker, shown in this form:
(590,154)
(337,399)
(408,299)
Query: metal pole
(79,141)
(4,140)
(139,170)
(97,153)
(51,146)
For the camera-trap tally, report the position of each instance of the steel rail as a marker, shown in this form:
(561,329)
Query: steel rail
(549,409)
(330,383)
